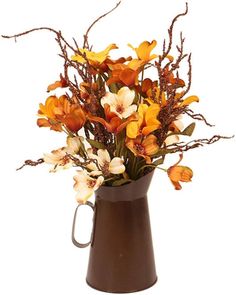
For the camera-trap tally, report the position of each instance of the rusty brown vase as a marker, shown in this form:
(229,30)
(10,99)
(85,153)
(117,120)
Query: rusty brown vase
(121,254)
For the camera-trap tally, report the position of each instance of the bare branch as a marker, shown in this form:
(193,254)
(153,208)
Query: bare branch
(58,33)
(170,33)
(86,44)
(199,117)
(31,163)
(183,147)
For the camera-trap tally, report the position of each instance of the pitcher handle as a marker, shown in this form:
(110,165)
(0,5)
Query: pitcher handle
(75,242)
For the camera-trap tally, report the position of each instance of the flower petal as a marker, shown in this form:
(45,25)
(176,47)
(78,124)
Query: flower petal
(129,111)
(103,156)
(110,99)
(150,145)
(132,129)
(84,194)
(125,96)
(171,139)
(73,144)
(116,166)
(189,100)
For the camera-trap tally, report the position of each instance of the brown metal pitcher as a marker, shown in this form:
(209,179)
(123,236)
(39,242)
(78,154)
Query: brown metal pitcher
(121,254)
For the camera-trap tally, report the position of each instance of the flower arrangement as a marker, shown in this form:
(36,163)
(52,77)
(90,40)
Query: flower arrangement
(120,123)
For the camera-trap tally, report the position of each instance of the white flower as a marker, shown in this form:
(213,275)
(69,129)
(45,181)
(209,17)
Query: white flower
(85,185)
(120,103)
(171,139)
(59,158)
(74,144)
(104,164)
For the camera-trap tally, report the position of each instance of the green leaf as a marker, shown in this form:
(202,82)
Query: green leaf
(96,144)
(188,130)
(159,161)
(163,152)
(113,88)
(121,182)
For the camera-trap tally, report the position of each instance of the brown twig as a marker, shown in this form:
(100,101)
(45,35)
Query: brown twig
(58,33)
(170,33)
(183,147)
(86,44)
(199,117)
(31,163)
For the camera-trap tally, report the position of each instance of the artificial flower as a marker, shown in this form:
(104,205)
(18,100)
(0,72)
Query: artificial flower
(123,74)
(74,144)
(175,127)
(93,57)
(104,164)
(112,122)
(60,111)
(85,185)
(60,157)
(120,103)
(179,173)
(143,147)
(143,53)
(147,121)
(62,83)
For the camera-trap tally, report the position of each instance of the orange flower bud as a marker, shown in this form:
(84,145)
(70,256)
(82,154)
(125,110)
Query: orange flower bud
(179,173)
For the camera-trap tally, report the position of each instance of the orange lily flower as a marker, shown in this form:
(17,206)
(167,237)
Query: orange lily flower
(143,53)
(112,122)
(58,112)
(147,121)
(179,173)
(62,83)
(143,147)
(122,73)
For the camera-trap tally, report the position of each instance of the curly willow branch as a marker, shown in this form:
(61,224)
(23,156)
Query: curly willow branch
(31,163)
(183,147)
(86,44)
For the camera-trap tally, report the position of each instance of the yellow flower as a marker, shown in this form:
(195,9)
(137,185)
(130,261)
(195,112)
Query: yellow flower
(93,57)
(147,121)
(189,100)
(179,173)
(143,147)
(144,51)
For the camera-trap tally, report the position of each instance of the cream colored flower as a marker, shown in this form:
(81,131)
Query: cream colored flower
(104,165)
(59,158)
(85,185)
(172,139)
(74,144)
(120,103)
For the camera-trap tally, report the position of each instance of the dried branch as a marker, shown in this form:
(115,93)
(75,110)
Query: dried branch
(189,76)
(86,44)
(170,33)
(31,163)
(183,147)
(58,33)
(199,117)
(181,56)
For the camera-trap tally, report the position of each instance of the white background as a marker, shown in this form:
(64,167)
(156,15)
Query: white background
(194,230)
